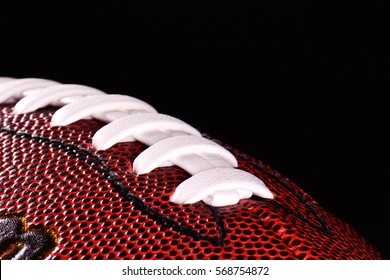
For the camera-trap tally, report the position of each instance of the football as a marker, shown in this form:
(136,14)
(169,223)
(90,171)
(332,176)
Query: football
(90,175)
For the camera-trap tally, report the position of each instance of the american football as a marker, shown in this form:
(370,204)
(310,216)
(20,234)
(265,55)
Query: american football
(89,175)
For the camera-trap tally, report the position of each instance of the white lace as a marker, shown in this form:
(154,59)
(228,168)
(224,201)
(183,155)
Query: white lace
(215,178)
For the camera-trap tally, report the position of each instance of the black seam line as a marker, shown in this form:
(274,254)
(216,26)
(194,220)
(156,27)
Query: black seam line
(325,227)
(284,208)
(220,225)
(96,162)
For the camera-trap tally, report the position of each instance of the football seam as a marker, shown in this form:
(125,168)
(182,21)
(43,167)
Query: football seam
(94,160)
(152,213)
(286,184)
(325,227)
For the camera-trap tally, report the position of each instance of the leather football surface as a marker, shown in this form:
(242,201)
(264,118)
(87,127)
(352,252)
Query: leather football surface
(61,199)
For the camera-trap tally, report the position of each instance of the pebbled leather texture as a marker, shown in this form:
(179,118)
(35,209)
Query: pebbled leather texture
(99,209)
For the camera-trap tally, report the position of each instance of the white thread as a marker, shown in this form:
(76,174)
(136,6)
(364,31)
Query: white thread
(215,178)
(5,79)
(193,154)
(147,128)
(12,90)
(54,95)
(96,106)
(220,187)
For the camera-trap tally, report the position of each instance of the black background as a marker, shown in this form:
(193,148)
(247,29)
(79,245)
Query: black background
(302,88)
